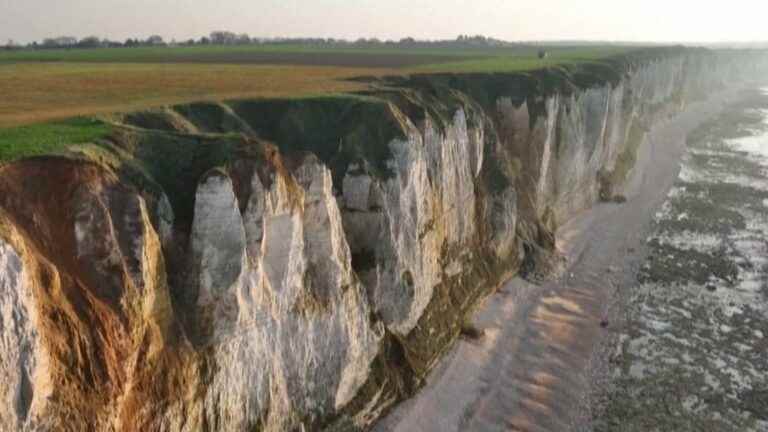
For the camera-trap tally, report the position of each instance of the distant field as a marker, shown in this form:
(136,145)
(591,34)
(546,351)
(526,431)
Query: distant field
(45,85)
(35,92)
(245,55)
(379,57)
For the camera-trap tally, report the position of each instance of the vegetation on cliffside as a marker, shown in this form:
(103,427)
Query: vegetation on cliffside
(47,138)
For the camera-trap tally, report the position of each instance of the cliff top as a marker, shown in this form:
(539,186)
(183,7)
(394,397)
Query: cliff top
(170,148)
(43,100)
(46,85)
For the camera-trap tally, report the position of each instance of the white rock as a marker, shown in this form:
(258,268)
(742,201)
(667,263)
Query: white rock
(300,340)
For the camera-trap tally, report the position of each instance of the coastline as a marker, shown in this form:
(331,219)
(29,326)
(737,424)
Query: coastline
(547,347)
(696,309)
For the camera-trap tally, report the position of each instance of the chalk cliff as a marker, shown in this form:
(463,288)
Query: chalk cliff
(302,264)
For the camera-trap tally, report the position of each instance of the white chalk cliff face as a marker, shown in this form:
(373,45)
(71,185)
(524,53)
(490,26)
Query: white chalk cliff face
(403,223)
(20,363)
(289,322)
(300,293)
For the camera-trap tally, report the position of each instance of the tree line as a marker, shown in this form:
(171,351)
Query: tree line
(231,38)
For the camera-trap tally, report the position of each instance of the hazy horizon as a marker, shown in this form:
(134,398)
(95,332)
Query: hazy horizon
(653,21)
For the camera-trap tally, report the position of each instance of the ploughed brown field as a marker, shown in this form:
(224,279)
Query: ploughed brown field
(36,92)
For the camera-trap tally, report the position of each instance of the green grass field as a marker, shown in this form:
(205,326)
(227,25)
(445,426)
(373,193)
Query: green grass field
(310,55)
(47,138)
(410,60)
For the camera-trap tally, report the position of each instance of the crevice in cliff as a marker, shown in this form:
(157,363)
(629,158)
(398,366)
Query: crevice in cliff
(26,393)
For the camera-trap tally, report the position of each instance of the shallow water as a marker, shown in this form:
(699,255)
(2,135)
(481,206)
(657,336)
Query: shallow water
(693,354)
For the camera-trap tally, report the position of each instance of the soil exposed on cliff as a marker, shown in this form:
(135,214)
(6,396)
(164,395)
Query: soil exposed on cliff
(543,348)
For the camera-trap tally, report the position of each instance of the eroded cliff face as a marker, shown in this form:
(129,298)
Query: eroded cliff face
(86,306)
(286,319)
(301,265)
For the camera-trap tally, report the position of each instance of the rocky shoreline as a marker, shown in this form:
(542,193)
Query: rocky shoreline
(690,316)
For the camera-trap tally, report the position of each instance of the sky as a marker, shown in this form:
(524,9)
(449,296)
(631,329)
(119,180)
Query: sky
(619,20)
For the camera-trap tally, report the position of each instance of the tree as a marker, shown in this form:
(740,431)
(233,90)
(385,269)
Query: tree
(60,42)
(110,44)
(155,40)
(223,38)
(89,42)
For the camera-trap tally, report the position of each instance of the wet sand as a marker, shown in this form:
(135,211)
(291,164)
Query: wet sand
(544,346)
